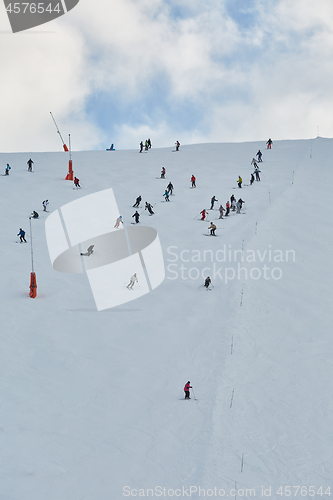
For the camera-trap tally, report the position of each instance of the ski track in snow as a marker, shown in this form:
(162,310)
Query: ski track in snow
(90,401)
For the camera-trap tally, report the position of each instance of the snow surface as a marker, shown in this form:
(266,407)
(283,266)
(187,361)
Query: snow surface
(91,402)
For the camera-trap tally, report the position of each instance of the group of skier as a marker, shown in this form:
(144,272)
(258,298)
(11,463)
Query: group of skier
(146,145)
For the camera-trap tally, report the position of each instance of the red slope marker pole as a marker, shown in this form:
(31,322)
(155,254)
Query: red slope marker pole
(33,280)
(70,175)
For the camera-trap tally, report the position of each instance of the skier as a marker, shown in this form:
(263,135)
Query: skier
(254,163)
(45,203)
(233,205)
(89,251)
(207,282)
(8,167)
(212,201)
(240,180)
(193,181)
(146,145)
(269,143)
(149,143)
(212,228)
(227,206)
(137,202)
(21,234)
(149,208)
(259,154)
(241,202)
(137,217)
(34,215)
(170,188)
(166,194)
(221,209)
(141,147)
(203,214)
(177,145)
(232,198)
(118,221)
(256,171)
(187,390)
(163,173)
(252,179)
(132,281)
(77,182)
(29,163)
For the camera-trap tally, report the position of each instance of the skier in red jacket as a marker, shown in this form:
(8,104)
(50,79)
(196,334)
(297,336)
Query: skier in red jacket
(187,390)
(203,213)
(193,181)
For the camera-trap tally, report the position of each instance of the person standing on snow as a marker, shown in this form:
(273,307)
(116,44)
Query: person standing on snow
(137,217)
(118,221)
(221,209)
(207,282)
(203,214)
(149,143)
(21,234)
(34,215)
(212,201)
(239,182)
(77,182)
(252,179)
(269,143)
(166,195)
(227,206)
(30,163)
(170,187)
(137,202)
(146,145)
(177,145)
(259,154)
(141,147)
(256,171)
(187,390)
(163,173)
(8,167)
(45,203)
(133,280)
(212,229)
(254,163)
(193,181)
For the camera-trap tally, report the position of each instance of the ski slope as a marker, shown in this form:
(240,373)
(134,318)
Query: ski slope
(91,402)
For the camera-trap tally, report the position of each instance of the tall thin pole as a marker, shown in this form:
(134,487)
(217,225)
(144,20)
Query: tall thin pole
(32,252)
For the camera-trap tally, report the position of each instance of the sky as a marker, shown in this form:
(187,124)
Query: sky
(195,71)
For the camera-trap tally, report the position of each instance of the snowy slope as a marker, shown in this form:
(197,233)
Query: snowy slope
(91,401)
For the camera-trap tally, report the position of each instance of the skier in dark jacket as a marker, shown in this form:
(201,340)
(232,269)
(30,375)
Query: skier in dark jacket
(30,163)
(187,390)
(269,143)
(141,146)
(259,154)
(256,171)
(177,145)
(137,202)
(212,201)
(252,179)
(149,208)
(207,282)
(170,188)
(149,143)
(8,167)
(21,234)
(137,217)
(34,215)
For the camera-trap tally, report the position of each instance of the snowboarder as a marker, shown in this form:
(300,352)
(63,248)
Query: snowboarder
(170,188)
(212,228)
(30,163)
(8,167)
(212,201)
(149,143)
(177,145)
(133,280)
(221,209)
(141,147)
(21,234)
(34,215)
(252,179)
(163,172)
(89,251)
(207,282)
(137,202)
(149,208)
(227,206)
(259,154)
(256,171)
(187,390)
(269,143)
(45,203)
(118,221)
(203,214)
(137,217)
(239,182)
(166,194)
(77,182)
(193,181)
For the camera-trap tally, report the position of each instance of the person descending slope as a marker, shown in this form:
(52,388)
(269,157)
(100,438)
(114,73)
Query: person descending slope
(254,163)
(269,143)
(8,167)
(136,217)
(118,221)
(21,234)
(30,163)
(34,215)
(149,208)
(203,214)
(45,203)
(170,188)
(141,147)
(193,181)
(137,202)
(163,172)
(212,201)
(77,183)
(239,182)
(187,390)
(221,209)
(207,282)
(166,195)
(256,171)
(212,228)
(227,206)
(259,154)
(177,145)
(149,143)
(133,280)
(252,179)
